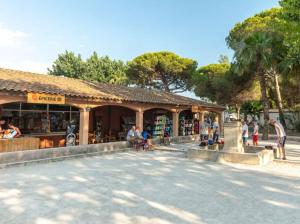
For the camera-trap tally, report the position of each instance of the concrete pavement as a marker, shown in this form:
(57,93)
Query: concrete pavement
(152,187)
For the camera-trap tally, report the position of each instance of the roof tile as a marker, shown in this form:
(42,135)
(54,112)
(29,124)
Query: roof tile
(32,82)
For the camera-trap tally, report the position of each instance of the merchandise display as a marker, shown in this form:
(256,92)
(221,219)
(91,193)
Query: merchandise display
(161,125)
(188,125)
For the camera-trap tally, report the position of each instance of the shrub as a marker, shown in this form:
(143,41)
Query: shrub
(297,126)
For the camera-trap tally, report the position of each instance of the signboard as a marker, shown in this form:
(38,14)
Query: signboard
(44,98)
(195,109)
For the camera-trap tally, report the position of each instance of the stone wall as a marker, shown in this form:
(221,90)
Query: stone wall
(63,152)
(56,154)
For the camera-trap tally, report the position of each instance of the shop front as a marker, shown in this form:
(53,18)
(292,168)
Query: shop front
(58,111)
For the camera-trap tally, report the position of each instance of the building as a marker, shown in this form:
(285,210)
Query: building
(42,105)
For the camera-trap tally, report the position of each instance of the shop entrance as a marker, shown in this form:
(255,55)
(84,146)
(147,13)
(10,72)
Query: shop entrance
(110,123)
(48,122)
(158,122)
(188,123)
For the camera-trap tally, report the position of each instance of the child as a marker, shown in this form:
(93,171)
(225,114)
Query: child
(255,134)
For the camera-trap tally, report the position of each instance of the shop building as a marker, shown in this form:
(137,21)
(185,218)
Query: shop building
(43,105)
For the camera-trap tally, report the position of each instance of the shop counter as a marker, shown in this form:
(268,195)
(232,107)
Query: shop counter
(51,139)
(19,144)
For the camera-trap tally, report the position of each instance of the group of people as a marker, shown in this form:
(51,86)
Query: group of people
(135,137)
(280,132)
(8,130)
(245,133)
(209,131)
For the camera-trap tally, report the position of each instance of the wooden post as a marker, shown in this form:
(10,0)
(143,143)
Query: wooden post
(84,126)
(220,121)
(175,119)
(201,116)
(139,118)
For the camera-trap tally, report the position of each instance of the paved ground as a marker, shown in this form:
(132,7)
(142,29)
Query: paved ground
(292,148)
(153,187)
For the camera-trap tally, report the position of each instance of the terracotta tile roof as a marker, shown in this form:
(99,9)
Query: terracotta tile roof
(19,81)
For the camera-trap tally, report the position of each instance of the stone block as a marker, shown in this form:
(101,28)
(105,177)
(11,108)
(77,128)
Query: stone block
(259,158)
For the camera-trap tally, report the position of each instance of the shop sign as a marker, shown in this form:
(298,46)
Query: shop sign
(44,98)
(195,109)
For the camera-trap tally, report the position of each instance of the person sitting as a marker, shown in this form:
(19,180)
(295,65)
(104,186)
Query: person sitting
(130,136)
(138,138)
(146,141)
(16,129)
(8,130)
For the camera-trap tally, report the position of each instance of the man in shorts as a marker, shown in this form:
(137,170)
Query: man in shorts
(245,133)
(281,138)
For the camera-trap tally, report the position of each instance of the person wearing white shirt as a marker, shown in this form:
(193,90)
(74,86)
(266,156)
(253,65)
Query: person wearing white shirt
(245,132)
(216,132)
(281,137)
(203,131)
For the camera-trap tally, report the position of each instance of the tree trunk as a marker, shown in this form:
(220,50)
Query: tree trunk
(263,89)
(238,110)
(279,101)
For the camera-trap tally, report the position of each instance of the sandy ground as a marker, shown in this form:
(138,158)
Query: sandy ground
(153,187)
(292,148)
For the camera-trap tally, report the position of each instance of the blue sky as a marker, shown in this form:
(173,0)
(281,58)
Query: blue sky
(121,29)
(34,32)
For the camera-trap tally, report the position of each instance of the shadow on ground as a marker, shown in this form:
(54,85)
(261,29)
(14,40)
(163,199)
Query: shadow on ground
(153,187)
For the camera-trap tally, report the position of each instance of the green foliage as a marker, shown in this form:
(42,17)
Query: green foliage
(68,64)
(291,15)
(103,69)
(297,126)
(210,82)
(291,10)
(219,83)
(162,70)
(266,21)
(252,108)
(95,68)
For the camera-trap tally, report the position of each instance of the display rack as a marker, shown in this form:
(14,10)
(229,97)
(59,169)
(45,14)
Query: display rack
(186,126)
(161,125)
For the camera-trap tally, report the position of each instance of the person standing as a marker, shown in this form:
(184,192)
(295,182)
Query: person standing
(216,132)
(255,133)
(245,133)
(203,131)
(281,138)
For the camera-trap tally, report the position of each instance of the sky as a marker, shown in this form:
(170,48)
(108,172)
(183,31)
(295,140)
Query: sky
(34,32)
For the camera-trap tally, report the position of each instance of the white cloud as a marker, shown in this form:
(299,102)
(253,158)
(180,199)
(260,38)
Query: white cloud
(11,38)
(26,65)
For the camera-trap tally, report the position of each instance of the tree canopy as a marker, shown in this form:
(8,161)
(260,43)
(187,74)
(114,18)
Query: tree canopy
(291,15)
(210,81)
(162,70)
(95,68)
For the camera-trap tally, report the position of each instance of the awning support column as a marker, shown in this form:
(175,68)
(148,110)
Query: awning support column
(175,119)
(139,117)
(84,126)
(220,121)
